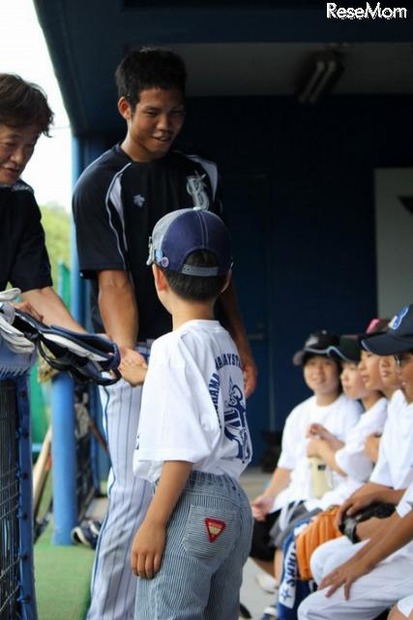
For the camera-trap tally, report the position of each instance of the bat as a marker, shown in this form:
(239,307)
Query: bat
(41,469)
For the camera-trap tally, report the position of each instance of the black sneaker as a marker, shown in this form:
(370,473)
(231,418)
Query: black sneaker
(243,611)
(84,535)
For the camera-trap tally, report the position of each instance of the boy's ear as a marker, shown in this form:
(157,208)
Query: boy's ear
(125,109)
(227,281)
(159,278)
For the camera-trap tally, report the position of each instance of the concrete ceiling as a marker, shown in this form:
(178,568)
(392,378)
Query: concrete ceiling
(230,49)
(234,69)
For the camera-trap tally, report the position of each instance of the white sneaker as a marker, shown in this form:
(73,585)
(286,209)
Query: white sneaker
(270,613)
(266,583)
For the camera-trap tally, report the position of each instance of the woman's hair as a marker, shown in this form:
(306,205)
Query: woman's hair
(23,103)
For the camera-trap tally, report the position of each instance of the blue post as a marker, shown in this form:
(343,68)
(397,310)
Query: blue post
(63,451)
(78,304)
(83,153)
(63,459)
(77,286)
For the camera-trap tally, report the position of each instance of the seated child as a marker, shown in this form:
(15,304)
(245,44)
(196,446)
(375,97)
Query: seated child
(349,460)
(377,571)
(290,492)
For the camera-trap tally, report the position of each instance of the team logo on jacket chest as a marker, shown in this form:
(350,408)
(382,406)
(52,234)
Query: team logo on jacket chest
(138,201)
(196,188)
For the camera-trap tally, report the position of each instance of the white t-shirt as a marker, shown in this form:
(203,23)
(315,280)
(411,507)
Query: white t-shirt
(394,467)
(339,418)
(193,404)
(405,505)
(397,424)
(351,457)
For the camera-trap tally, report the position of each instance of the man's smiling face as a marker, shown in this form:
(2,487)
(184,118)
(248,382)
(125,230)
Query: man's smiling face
(154,123)
(16,148)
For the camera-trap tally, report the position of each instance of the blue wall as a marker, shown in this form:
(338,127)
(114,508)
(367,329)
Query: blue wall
(320,165)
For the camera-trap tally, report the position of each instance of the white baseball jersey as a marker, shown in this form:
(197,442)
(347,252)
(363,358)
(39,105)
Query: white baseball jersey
(339,418)
(351,457)
(193,404)
(406,605)
(391,579)
(394,467)
(406,503)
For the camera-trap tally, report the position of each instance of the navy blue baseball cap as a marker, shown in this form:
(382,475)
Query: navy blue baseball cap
(347,350)
(397,338)
(317,343)
(184,231)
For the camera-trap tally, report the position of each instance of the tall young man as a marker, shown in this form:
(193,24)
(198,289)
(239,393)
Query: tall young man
(117,201)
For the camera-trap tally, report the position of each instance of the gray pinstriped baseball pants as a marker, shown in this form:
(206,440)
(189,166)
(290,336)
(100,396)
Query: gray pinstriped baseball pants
(200,578)
(113,583)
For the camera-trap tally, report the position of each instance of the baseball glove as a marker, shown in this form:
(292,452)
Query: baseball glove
(379,510)
(318,531)
(87,357)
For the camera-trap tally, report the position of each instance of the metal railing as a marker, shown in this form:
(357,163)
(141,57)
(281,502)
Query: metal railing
(17,594)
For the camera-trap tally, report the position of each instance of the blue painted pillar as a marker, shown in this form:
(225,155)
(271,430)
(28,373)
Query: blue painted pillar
(84,152)
(63,452)
(77,291)
(63,459)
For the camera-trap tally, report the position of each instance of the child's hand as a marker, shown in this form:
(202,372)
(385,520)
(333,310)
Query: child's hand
(147,550)
(133,367)
(313,447)
(314,431)
(261,506)
(318,431)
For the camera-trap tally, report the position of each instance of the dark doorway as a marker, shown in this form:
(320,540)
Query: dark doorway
(247,209)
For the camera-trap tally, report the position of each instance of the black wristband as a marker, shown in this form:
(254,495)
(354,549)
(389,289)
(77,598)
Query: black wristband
(349,529)
(352,534)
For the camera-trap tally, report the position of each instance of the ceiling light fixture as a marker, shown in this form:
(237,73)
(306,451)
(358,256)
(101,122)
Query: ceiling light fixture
(320,77)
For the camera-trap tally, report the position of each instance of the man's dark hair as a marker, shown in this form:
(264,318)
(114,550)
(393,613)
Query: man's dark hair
(196,288)
(149,68)
(23,103)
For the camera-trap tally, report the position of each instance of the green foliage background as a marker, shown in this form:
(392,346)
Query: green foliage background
(56,223)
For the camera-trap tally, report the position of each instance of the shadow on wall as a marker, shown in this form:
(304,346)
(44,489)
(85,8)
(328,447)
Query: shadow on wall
(271,454)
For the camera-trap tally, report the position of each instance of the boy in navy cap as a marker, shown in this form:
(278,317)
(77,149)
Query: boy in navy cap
(193,440)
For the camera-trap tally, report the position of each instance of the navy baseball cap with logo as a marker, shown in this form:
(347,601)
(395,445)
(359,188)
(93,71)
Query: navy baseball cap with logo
(397,338)
(181,232)
(347,350)
(317,343)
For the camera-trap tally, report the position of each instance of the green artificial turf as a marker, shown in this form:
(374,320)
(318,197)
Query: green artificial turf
(62,579)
